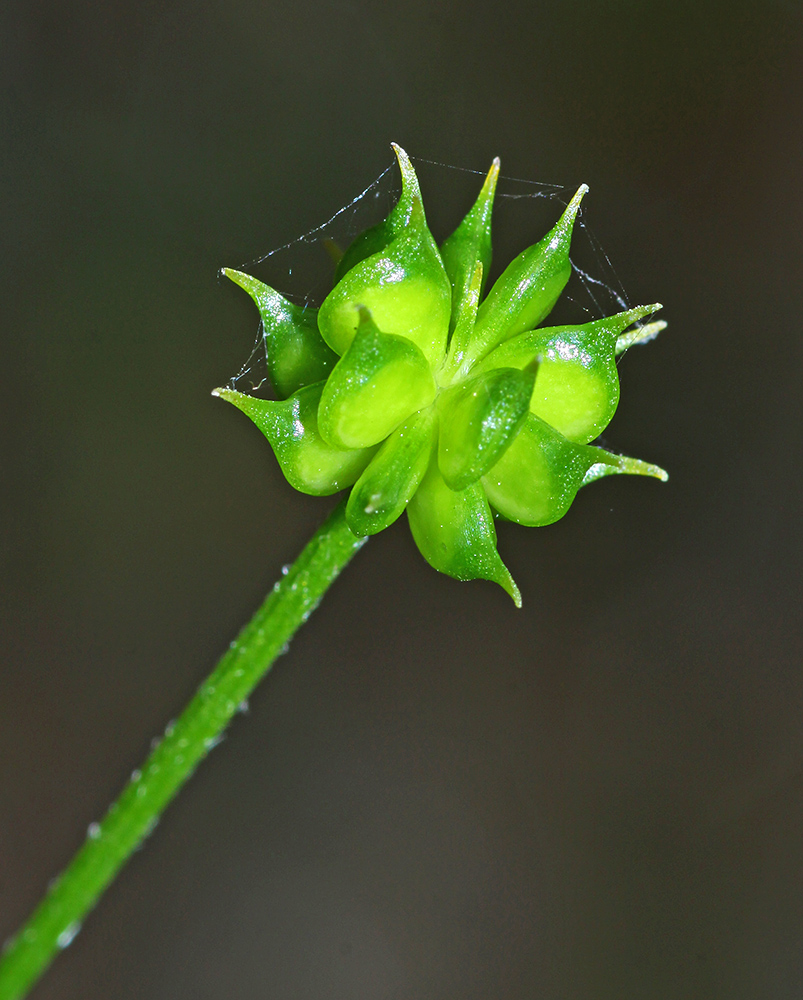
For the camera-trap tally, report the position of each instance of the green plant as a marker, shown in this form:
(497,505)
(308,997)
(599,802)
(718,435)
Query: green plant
(421,394)
(424,396)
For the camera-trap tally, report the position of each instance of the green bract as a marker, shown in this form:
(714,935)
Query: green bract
(413,389)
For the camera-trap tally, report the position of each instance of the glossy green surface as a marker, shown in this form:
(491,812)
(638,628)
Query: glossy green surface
(384,489)
(465,318)
(294,348)
(478,421)
(529,286)
(473,407)
(454,531)
(375,239)
(470,243)
(577,389)
(536,480)
(405,288)
(380,380)
(310,463)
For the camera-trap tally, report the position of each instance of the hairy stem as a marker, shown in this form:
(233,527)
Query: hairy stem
(186,742)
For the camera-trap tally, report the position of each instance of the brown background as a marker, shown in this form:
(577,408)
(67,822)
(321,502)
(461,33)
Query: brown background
(435,796)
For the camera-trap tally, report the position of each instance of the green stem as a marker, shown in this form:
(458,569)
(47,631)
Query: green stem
(186,742)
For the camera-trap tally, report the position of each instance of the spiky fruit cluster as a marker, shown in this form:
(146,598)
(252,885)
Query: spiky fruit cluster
(421,394)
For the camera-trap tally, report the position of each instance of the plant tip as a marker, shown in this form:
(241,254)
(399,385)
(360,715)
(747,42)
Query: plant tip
(574,204)
(401,155)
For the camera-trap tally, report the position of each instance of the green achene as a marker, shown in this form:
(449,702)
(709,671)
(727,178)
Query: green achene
(380,381)
(537,478)
(375,239)
(479,420)
(578,383)
(310,464)
(296,352)
(454,531)
(424,394)
(383,491)
(404,286)
(469,245)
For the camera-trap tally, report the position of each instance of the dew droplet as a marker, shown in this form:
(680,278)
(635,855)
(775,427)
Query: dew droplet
(93,831)
(285,569)
(67,936)
(243,706)
(136,775)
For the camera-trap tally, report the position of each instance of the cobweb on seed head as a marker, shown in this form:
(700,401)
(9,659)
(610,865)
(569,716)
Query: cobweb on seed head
(524,211)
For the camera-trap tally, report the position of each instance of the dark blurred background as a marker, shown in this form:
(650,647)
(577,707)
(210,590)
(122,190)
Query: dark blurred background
(434,796)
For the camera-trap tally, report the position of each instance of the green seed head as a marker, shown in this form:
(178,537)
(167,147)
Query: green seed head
(410,387)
